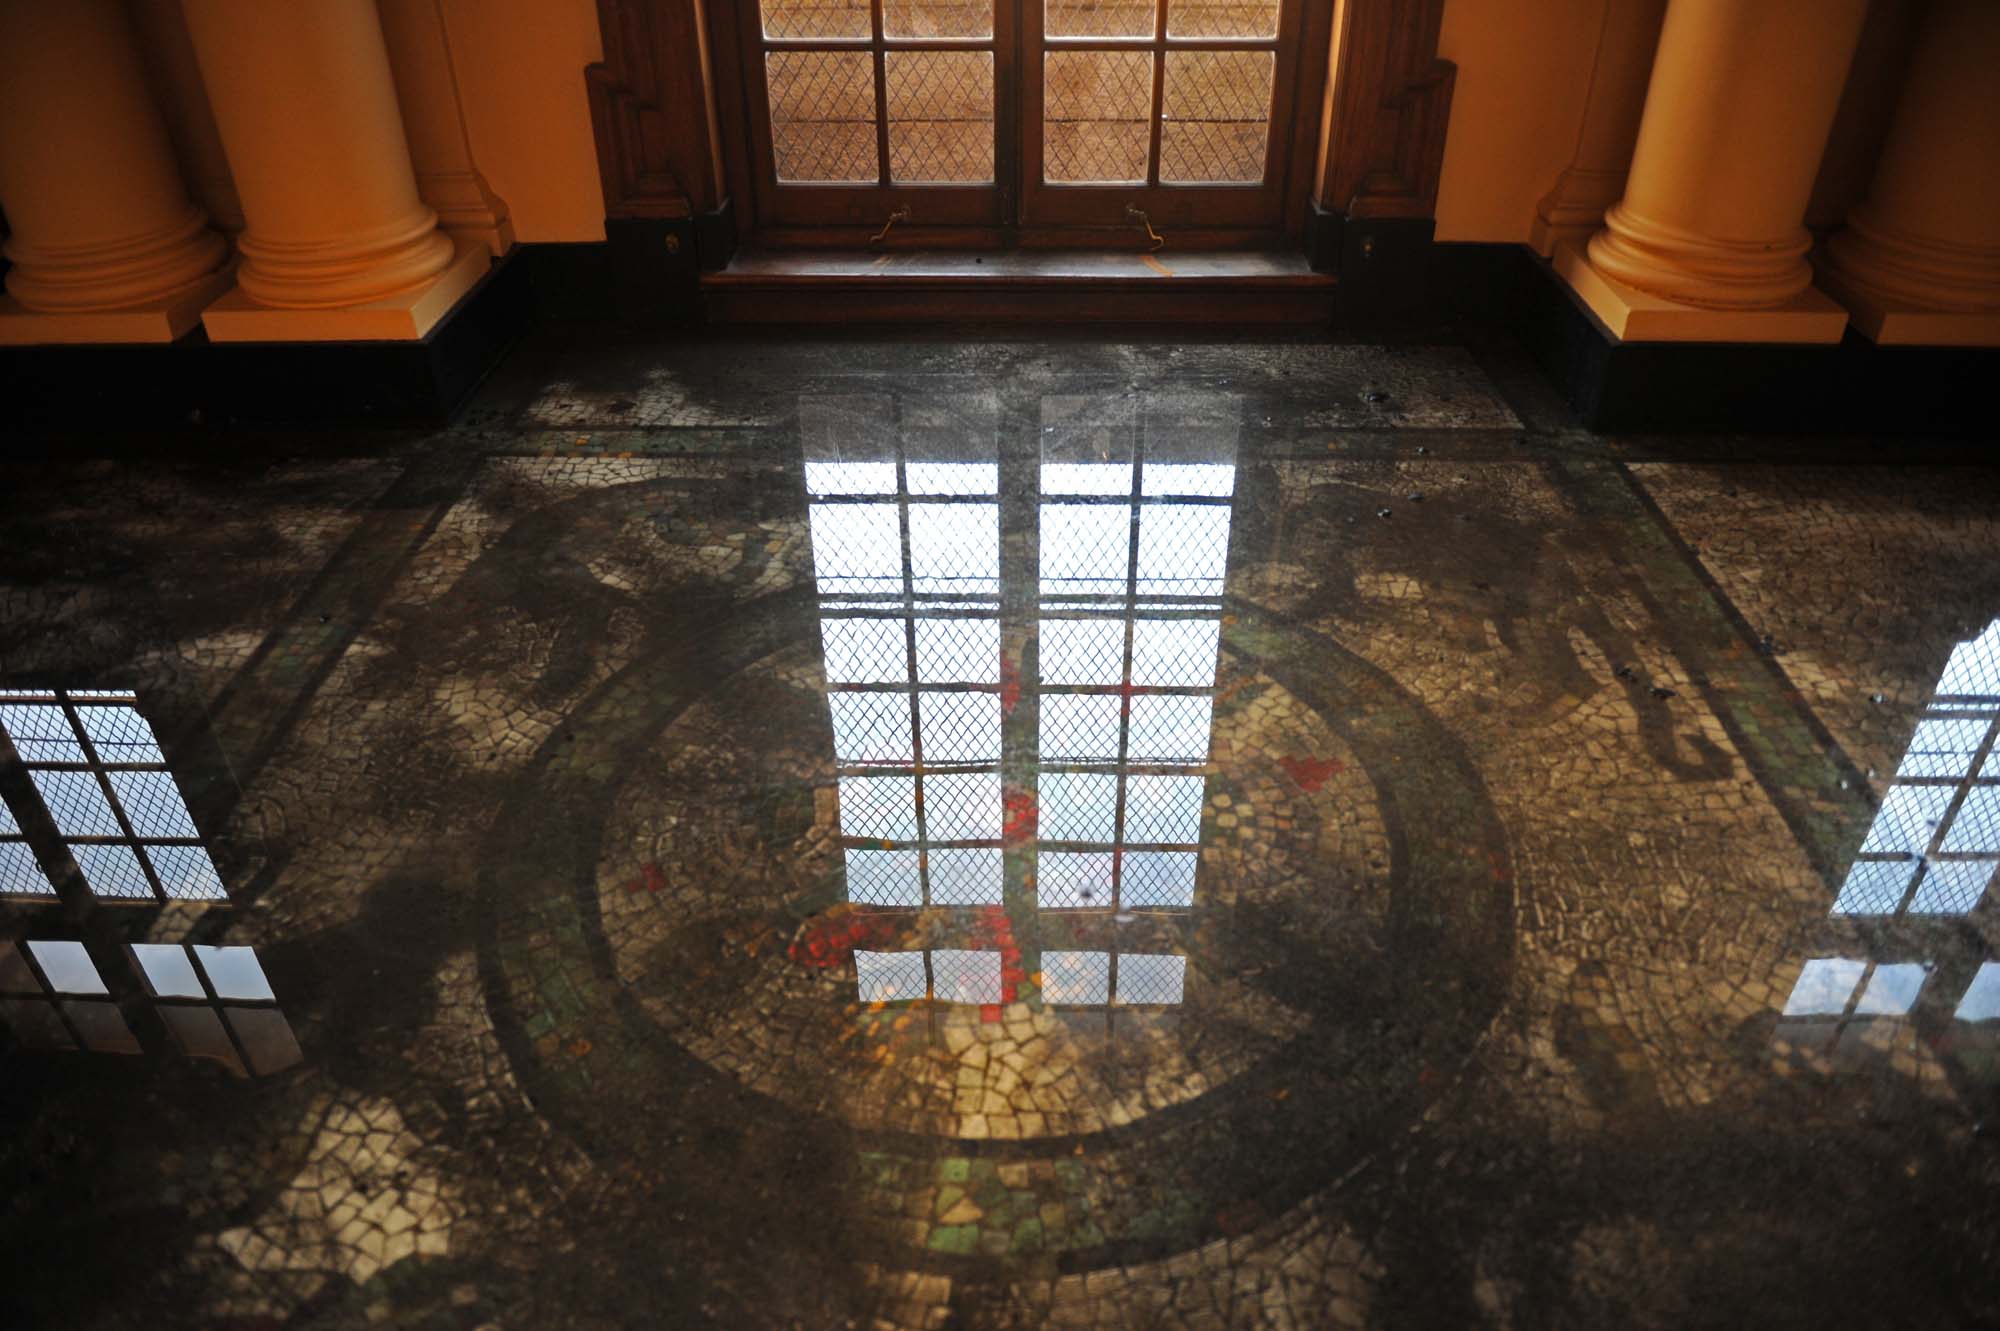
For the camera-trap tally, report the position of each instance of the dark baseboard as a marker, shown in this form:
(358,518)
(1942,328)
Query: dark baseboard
(1383,264)
(195,381)
(1852,387)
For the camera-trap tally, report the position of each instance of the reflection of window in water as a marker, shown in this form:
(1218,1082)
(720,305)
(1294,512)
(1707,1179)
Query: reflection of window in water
(1936,839)
(1847,987)
(1134,548)
(214,1001)
(948,975)
(99,771)
(905,523)
(1130,979)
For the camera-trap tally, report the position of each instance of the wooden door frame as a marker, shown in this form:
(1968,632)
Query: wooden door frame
(666,155)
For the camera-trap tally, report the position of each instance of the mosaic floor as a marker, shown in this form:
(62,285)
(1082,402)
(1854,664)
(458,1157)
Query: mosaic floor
(937,835)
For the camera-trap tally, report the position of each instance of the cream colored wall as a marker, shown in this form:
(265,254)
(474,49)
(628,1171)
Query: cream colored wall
(1523,74)
(520,75)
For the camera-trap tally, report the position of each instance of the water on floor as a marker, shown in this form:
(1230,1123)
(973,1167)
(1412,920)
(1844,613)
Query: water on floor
(999,835)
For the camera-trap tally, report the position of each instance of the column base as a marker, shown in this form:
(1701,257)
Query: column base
(1810,318)
(404,316)
(1889,325)
(165,320)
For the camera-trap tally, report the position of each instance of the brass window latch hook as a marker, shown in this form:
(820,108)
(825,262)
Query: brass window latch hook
(1138,214)
(900,215)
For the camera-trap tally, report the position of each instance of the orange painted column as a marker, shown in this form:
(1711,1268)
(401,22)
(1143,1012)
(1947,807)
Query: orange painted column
(1919,260)
(1741,100)
(1628,35)
(106,245)
(434,123)
(336,245)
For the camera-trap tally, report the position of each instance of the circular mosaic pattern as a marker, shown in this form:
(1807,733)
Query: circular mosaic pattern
(645,900)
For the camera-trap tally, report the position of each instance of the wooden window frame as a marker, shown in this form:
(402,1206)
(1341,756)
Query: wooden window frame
(1166,204)
(673,141)
(837,204)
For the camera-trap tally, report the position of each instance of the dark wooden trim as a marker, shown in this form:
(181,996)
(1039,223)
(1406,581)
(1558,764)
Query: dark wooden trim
(651,87)
(1387,109)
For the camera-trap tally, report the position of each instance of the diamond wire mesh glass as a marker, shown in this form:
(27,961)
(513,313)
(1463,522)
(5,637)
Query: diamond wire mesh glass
(1149,979)
(913,687)
(1097,106)
(1123,695)
(111,852)
(940,116)
(937,18)
(1222,18)
(822,115)
(1099,18)
(1215,116)
(815,18)
(1934,845)
(1076,978)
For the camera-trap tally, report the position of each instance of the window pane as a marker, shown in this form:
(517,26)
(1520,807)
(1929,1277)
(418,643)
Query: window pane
(186,873)
(865,651)
(20,874)
(1077,806)
(856,548)
(112,871)
(120,735)
(1067,880)
(168,972)
(879,807)
(968,877)
(1076,977)
(1183,549)
(153,803)
(962,806)
(1099,18)
(965,977)
(960,727)
(1080,727)
(815,18)
(1151,979)
(1083,651)
(884,878)
(1175,651)
(955,548)
(958,651)
(1163,810)
(823,114)
(1086,549)
(1824,986)
(1216,116)
(889,977)
(1169,728)
(871,728)
(1222,18)
(937,18)
(1096,123)
(77,803)
(940,115)
(67,966)
(233,972)
(41,733)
